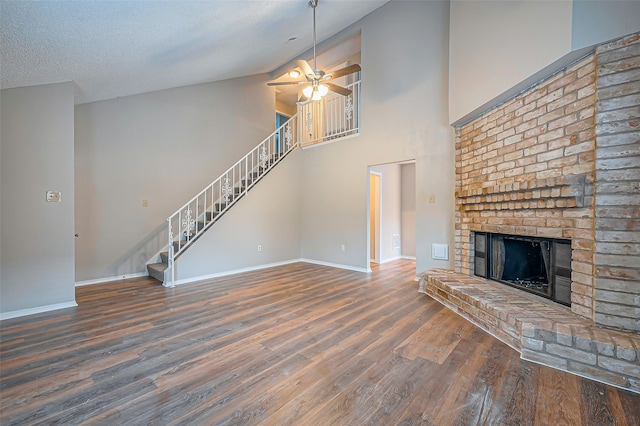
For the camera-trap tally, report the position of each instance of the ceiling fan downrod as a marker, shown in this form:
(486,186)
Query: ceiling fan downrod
(317,80)
(314,4)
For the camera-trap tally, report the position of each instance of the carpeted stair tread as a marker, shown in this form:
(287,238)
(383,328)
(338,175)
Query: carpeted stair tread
(156,270)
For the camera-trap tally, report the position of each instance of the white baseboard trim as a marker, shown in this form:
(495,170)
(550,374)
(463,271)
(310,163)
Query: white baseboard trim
(234,271)
(109,279)
(38,310)
(408,257)
(391,259)
(336,265)
(225,273)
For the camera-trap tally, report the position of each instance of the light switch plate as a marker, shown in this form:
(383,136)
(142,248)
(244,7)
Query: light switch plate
(53,196)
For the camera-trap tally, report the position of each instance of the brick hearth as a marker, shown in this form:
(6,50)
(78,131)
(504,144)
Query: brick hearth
(542,331)
(561,160)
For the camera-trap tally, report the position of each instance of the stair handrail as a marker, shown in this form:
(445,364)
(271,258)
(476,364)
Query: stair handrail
(250,168)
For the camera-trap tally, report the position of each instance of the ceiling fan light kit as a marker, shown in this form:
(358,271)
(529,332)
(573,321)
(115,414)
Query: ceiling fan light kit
(317,80)
(316,91)
(307,91)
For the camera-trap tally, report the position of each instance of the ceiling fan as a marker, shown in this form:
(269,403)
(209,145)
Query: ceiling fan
(317,80)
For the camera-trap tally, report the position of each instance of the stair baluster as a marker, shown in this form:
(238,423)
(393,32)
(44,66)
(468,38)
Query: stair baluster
(199,213)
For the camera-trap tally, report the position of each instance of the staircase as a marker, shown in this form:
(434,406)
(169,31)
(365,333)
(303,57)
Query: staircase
(316,122)
(191,220)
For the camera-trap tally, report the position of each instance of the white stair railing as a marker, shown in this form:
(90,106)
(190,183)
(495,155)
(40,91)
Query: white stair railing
(199,213)
(335,116)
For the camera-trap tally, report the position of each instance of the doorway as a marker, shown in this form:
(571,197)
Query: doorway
(391,225)
(375,204)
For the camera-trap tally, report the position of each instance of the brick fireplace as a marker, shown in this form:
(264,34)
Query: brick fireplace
(560,160)
(528,168)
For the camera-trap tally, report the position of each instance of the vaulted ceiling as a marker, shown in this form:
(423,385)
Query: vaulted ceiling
(113,48)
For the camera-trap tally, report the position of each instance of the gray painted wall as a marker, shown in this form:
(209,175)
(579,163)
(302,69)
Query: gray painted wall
(595,22)
(403,118)
(163,147)
(497,44)
(37,237)
(408,208)
(0,190)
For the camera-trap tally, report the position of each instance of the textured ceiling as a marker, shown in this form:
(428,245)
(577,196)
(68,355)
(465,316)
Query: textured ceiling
(112,48)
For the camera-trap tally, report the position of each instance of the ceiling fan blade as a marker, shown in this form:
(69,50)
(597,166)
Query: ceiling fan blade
(345,71)
(338,89)
(305,67)
(284,83)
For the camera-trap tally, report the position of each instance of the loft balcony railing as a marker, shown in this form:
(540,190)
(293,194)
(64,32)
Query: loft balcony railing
(334,116)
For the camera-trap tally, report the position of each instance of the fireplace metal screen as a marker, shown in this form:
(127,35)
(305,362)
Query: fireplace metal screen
(538,265)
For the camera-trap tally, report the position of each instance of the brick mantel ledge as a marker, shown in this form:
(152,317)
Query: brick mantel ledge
(542,331)
(552,193)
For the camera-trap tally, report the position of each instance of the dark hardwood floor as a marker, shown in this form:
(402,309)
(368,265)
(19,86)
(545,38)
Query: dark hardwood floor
(293,345)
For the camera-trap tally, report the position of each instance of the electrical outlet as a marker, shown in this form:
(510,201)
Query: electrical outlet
(53,196)
(432,198)
(145,203)
(342,247)
(259,247)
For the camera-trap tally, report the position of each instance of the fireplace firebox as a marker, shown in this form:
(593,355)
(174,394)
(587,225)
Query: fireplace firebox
(538,265)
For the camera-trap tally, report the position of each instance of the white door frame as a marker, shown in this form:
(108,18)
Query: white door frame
(371,220)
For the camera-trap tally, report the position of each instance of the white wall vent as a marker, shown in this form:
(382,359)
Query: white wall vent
(395,241)
(440,251)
